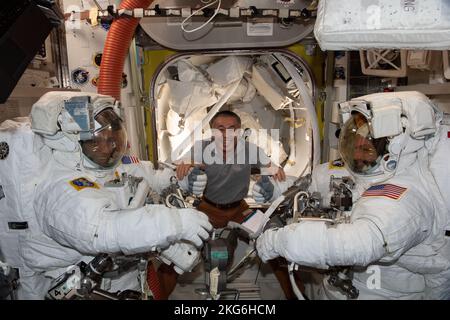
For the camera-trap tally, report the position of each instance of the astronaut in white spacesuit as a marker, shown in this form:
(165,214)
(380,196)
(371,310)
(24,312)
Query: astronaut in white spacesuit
(65,212)
(397,239)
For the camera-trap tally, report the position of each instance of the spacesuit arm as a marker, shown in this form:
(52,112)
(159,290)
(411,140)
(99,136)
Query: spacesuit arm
(314,244)
(87,220)
(403,223)
(136,231)
(381,228)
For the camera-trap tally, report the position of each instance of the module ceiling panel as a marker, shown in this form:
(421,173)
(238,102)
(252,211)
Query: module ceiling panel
(229,33)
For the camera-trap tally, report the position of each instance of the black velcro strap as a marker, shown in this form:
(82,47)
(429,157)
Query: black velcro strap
(18,225)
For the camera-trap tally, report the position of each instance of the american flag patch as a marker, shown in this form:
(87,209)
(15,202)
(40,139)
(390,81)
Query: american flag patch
(129,159)
(385,190)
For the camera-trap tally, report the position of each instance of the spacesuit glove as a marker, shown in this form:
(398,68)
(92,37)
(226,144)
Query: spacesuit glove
(197,181)
(263,190)
(194,182)
(183,255)
(192,225)
(266,245)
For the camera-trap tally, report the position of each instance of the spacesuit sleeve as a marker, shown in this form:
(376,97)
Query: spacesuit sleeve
(403,223)
(311,243)
(381,229)
(85,219)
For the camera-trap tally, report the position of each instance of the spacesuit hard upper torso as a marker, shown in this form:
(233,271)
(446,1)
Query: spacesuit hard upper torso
(320,179)
(63,207)
(71,205)
(68,203)
(415,261)
(396,240)
(407,257)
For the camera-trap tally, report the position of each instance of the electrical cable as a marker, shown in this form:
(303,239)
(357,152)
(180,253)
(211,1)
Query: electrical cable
(195,12)
(297,291)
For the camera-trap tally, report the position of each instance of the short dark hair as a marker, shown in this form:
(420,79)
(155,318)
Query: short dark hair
(226,113)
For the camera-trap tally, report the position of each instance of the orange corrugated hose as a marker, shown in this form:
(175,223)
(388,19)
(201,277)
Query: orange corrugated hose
(115,51)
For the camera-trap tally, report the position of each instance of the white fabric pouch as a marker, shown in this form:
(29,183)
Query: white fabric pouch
(383,24)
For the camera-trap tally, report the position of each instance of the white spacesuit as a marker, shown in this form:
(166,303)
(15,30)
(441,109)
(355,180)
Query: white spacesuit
(396,238)
(58,208)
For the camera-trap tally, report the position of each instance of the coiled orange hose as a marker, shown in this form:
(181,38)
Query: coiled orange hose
(116,49)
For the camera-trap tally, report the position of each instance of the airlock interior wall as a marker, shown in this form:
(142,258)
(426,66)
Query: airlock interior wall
(153,60)
(257,112)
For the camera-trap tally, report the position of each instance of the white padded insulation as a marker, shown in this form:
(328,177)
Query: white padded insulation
(383,24)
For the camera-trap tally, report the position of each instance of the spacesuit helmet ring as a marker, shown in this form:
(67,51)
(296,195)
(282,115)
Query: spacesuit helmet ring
(109,140)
